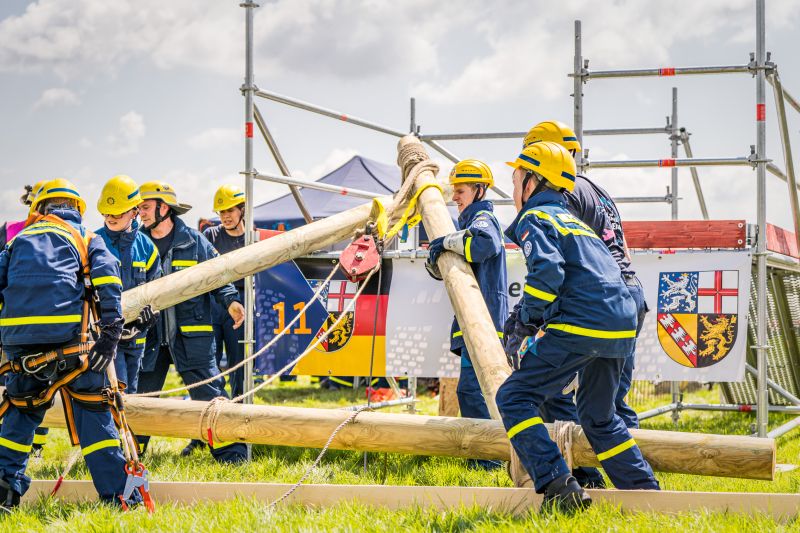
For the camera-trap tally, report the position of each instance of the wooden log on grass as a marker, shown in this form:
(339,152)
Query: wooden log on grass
(480,335)
(666,451)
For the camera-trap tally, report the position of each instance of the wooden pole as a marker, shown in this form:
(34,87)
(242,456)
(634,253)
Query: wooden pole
(666,451)
(519,502)
(485,350)
(209,275)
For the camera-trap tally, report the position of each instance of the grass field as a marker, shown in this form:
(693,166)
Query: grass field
(287,465)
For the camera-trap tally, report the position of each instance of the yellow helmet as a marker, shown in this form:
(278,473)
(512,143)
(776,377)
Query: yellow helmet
(58,188)
(161,190)
(119,194)
(551,161)
(554,132)
(226,197)
(471,171)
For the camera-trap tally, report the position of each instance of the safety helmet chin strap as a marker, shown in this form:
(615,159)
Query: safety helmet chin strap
(480,192)
(539,186)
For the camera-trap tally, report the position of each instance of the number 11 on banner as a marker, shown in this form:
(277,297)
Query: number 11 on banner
(301,329)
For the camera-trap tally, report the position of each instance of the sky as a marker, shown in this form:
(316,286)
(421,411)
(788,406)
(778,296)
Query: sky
(92,88)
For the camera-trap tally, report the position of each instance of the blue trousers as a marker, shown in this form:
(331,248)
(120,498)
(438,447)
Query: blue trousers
(471,401)
(544,371)
(562,406)
(223,452)
(229,339)
(128,364)
(98,435)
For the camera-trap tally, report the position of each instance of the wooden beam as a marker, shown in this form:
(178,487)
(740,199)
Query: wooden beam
(781,507)
(485,350)
(686,234)
(781,241)
(666,451)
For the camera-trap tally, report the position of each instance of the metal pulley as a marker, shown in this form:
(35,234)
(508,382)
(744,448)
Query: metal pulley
(360,257)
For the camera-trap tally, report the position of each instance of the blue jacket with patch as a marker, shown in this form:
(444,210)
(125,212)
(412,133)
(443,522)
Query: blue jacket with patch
(186,327)
(42,287)
(574,288)
(486,254)
(138,263)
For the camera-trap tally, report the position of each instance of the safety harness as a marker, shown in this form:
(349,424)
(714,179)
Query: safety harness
(62,366)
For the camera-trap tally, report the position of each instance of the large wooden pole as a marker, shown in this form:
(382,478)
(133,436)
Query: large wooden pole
(485,350)
(207,276)
(666,451)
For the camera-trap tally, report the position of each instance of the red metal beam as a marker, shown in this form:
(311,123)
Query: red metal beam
(660,234)
(781,241)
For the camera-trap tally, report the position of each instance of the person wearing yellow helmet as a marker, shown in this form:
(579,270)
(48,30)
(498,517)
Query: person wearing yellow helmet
(575,297)
(184,334)
(226,237)
(595,207)
(138,262)
(48,274)
(480,240)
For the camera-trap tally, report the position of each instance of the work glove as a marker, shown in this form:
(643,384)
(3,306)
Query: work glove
(105,347)
(435,249)
(146,320)
(516,338)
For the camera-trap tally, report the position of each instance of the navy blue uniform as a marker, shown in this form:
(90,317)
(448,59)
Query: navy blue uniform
(225,337)
(42,287)
(594,206)
(184,335)
(575,293)
(138,264)
(485,253)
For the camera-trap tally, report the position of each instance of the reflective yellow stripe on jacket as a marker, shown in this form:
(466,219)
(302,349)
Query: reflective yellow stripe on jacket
(596,333)
(192,329)
(106,280)
(108,443)
(522,426)
(537,293)
(616,450)
(36,320)
(17,447)
(182,262)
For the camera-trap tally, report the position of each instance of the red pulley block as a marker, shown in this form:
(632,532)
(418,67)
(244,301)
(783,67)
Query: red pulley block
(359,258)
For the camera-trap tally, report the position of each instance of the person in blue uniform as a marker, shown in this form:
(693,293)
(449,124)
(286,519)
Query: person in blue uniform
(479,240)
(228,236)
(138,264)
(43,295)
(183,335)
(595,207)
(574,294)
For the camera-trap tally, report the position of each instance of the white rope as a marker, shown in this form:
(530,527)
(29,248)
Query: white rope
(562,430)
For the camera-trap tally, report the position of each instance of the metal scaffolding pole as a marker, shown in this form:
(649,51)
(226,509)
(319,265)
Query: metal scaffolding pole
(667,71)
(455,159)
(249,231)
(669,163)
(617,199)
(695,178)
(521,134)
(577,97)
(791,100)
(762,414)
(309,184)
(275,97)
(273,147)
(780,107)
(673,138)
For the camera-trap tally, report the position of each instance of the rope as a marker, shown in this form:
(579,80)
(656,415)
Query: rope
(212,410)
(320,456)
(562,429)
(266,347)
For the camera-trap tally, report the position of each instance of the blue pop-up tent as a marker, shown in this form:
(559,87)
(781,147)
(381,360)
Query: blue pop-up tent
(358,173)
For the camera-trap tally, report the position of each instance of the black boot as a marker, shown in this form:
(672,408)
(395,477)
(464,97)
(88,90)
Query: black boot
(191,447)
(9,498)
(564,494)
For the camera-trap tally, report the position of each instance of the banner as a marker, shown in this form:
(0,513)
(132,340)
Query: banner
(696,329)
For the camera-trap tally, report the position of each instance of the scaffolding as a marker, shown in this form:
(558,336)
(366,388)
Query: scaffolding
(759,66)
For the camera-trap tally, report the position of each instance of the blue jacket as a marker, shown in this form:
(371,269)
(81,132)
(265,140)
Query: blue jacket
(486,254)
(138,263)
(574,288)
(42,287)
(186,327)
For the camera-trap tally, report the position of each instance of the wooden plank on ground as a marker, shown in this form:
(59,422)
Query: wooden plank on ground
(672,234)
(781,241)
(510,500)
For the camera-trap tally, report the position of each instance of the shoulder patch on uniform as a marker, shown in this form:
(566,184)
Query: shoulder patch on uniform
(481,223)
(527,248)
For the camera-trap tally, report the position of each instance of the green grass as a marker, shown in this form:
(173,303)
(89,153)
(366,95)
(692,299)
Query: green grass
(287,465)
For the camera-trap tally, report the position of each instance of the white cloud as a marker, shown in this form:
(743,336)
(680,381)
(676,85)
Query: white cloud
(56,96)
(131,131)
(214,138)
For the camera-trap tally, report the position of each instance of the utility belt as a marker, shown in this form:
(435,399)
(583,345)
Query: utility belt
(59,368)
